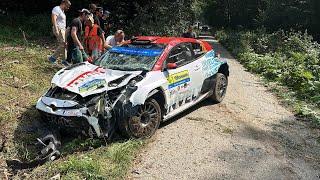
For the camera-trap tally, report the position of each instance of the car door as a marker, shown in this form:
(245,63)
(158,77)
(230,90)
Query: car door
(185,81)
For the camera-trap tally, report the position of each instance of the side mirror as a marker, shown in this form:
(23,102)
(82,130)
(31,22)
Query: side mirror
(172,66)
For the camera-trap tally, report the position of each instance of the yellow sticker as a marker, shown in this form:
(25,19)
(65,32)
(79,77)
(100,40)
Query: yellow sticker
(178,78)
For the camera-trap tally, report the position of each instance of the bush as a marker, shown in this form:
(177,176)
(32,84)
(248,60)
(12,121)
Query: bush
(37,27)
(291,58)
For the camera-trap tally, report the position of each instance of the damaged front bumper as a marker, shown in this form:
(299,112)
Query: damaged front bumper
(69,114)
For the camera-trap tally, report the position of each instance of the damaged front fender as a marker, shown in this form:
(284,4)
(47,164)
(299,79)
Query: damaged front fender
(153,81)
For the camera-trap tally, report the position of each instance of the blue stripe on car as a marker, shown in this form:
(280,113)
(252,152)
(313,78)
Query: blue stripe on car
(136,51)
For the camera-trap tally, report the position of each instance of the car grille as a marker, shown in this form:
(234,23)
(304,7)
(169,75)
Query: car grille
(76,123)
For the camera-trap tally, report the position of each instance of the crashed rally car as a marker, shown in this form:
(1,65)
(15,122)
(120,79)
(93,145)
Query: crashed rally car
(134,87)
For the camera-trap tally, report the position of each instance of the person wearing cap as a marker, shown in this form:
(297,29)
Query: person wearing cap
(76,52)
(58,19)
(116,40)
(94,39)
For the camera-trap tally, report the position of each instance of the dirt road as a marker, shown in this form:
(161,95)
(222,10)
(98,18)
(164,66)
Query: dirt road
(248,136)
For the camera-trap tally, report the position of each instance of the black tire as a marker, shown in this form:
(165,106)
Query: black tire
(219,88)
(145,123)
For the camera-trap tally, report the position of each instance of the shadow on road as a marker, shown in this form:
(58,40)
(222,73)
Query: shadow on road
(296,157)
(203,103)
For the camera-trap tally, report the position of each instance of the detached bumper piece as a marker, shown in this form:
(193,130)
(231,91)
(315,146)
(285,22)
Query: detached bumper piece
(49,145)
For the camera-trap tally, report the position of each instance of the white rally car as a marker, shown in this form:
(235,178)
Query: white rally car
(134,87)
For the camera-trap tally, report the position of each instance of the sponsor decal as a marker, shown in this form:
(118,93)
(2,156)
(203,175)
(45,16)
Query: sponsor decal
(184,98)
(182,89)
(76,80)
(178,79)
(210,54)
(136,51)
(211,65)
(92,85)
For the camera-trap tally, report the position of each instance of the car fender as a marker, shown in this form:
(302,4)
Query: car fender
(148,87)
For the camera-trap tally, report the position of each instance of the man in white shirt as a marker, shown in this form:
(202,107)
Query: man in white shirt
(115,40)
(58,18)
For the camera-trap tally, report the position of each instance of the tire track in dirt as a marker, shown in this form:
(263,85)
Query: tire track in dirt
(248,136)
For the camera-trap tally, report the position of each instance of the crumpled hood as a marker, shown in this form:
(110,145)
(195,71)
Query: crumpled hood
(87,79)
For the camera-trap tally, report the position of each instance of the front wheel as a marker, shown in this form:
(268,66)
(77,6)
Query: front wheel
(146,121)
(219,87)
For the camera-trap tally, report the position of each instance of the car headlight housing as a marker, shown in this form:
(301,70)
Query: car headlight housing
(132,83)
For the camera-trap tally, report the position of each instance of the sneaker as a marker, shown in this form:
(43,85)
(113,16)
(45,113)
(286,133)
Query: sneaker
(65,63)
(52,59)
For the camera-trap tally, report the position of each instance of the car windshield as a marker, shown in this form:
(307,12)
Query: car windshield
(130,58)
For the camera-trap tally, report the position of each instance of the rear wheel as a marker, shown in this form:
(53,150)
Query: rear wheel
(219,88)
(146,121)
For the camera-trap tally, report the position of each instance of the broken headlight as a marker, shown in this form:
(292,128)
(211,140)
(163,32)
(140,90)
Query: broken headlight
(132,83)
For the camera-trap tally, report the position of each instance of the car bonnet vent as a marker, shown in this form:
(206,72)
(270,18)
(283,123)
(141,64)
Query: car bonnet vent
(143,39)
(141,42)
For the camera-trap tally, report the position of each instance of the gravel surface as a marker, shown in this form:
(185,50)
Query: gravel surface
(248,136)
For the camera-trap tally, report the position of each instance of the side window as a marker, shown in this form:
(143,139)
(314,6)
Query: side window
(198,50)
(181,54)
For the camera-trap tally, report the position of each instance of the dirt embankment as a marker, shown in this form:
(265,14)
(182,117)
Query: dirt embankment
(248,136)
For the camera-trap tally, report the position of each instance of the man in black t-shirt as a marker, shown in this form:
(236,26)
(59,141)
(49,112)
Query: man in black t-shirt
(75,47)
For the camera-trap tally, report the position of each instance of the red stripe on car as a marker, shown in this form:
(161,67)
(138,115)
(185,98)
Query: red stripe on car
(82,75)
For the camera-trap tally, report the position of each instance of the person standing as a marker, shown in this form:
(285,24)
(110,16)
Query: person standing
(98,16)
(94,39)
(92,8)
(58,19)
(76,52)
(105,25)
(189,33)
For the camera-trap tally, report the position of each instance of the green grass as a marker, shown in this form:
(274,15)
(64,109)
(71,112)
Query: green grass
(304,110)
(25,75)
(110,162)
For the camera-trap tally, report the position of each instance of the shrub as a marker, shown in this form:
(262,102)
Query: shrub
(291,58)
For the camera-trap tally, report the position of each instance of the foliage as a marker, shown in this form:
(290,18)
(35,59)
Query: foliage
(19,29)
(285,14)
(162,17)
(166,17)
(291,58)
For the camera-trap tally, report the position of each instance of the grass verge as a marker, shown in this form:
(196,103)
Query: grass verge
(112,162)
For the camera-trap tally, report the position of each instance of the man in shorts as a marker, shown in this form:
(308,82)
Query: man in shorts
(76,52)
